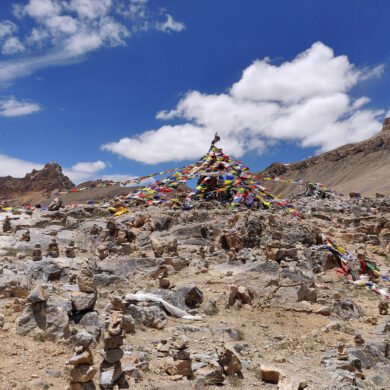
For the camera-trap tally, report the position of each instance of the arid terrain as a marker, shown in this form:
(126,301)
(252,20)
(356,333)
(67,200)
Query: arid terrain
(361,167)
(164,298)
(287,310)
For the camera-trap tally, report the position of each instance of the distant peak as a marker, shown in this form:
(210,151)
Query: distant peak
(386,125)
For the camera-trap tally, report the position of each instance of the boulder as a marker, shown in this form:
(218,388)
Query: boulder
(82,301)
(150,316)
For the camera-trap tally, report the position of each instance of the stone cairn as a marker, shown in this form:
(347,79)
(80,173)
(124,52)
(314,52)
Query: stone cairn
(111,373)
(37,252)
(70,250)
(53,250)
(273,246)
(84,300)
(26,236)
(7,227)
(83,371)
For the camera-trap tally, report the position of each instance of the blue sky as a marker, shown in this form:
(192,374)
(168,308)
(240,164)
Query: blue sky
(128,87)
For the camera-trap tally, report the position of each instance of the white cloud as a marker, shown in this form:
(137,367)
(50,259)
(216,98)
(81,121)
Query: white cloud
(84,170)
(89,167)
(10,107)
(170,25)
(7,28)
(12,46)
(10,166)
(64,31)
(306,101)
(90,9)
(39,9)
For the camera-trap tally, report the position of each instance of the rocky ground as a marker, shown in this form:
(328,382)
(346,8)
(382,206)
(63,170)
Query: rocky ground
(240,299)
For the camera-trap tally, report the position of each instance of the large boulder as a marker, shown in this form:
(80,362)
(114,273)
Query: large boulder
(150,316)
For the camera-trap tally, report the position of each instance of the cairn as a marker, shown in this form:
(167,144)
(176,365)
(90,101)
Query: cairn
(53,250)
(70,250)
(85,299)
(26,236)
(111,373)
(7,227)
(83,371)
(37,252)
(273,247)
(180,361)
(102,251)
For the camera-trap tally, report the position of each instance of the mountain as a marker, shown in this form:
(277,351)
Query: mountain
(361,167)
(42,181)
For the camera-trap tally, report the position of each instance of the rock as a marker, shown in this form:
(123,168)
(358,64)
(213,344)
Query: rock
(241,294)
(178,367)
(211,374)
(2,321)
(109,374)
(84,339)
(71,222)
(37,295)
(45,270)
(334,325)
(112,355)
(346,309)
(83,301)
(37,252)
(82,373)
(55,204)
(14,285)
(164,283)
(152,316)
(85,281)
(57,321)
(211,307)
(324,311)
(308,294)
(230,363)
(128,324)
(81,358)
(270,374)
(383,307)
(92,323)
(83,386)
(112,342)
(47,318)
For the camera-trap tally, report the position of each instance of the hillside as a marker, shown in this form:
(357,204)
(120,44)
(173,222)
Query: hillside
(362,167)
(38,182)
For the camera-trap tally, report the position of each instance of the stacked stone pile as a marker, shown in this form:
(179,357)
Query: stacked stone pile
(83,371)
(111,373)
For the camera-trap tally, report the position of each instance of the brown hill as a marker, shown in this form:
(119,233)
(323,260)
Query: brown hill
(43,181)
(362,167)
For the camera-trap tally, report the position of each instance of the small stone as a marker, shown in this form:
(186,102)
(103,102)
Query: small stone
(84,339)
(81,358)
(270,375)
(112,355)
(83,373)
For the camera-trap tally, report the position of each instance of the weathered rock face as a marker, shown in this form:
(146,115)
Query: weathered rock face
(361,167)
(48,179)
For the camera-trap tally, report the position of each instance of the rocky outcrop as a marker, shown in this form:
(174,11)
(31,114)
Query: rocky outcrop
(46,180)
(361,167)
